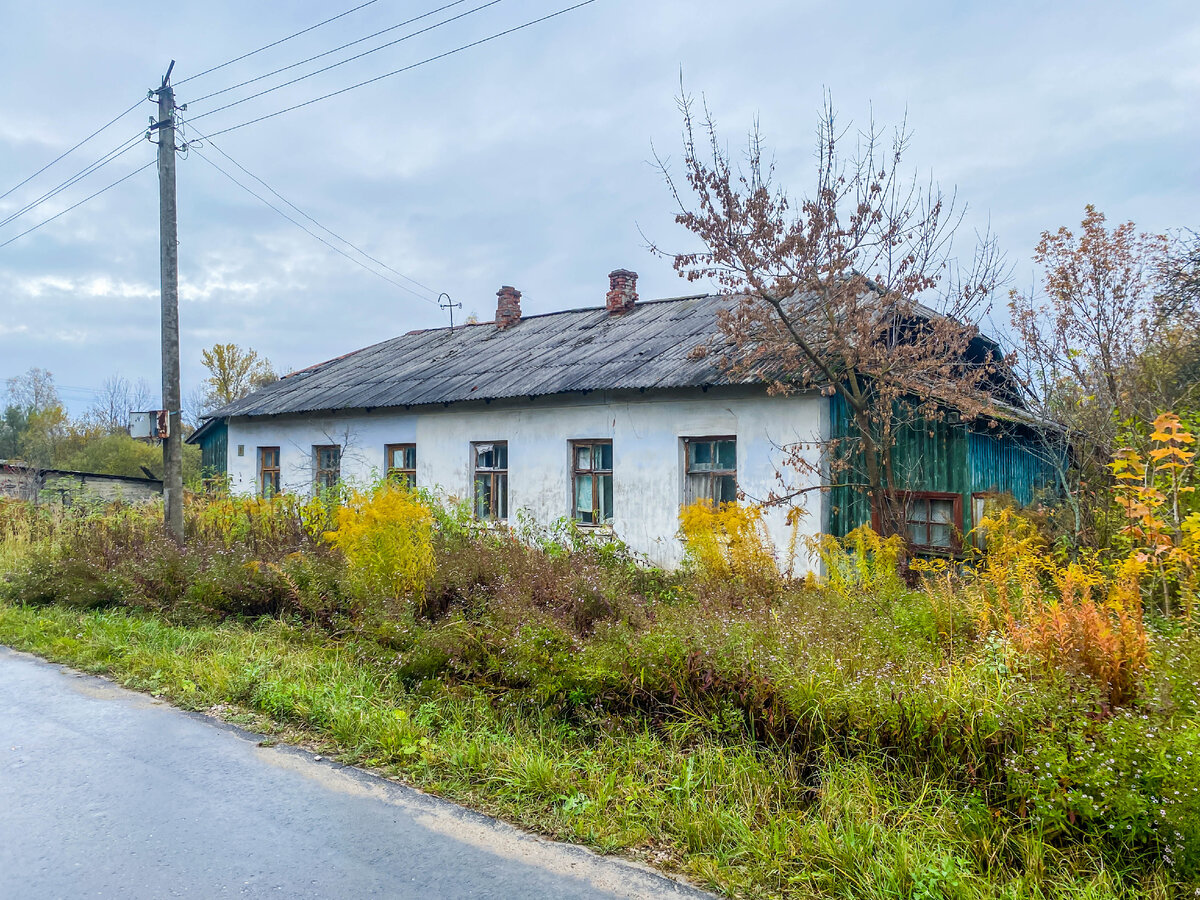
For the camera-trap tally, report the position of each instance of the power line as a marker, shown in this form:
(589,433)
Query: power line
(314,221)
(349,58)
(407,68)
(67,153)
(308,231)
(328,52)
(80,203)
(117,152)
(277,43)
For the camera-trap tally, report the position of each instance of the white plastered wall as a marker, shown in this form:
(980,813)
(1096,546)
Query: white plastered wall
(647,431)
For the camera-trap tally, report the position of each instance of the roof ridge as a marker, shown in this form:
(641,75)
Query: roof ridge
(561,312)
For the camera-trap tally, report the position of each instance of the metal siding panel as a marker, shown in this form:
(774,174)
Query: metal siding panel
(214,451)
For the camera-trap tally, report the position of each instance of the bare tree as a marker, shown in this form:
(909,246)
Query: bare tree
(35,421)
(197,404)
(853,288)
(118,396)
(34,391)
(1086,341)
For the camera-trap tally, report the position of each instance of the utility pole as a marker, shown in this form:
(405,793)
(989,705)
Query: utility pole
(169,271)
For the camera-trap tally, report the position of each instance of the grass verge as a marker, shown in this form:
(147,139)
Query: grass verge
(734,814)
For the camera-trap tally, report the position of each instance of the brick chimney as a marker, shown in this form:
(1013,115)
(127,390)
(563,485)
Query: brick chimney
(508,307)
(622,291)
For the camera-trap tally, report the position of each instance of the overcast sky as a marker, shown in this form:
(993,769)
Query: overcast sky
(526,160)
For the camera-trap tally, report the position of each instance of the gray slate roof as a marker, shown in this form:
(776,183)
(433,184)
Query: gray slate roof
(554,353)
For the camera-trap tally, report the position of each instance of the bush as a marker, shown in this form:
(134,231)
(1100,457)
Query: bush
(1072,618)
(386,534)
(1025,693)
(728,541)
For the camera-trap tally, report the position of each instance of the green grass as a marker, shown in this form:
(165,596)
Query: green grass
(747,817)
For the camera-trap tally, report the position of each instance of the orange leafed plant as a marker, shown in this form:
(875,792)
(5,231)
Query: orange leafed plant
(1073,617)
(1152,494)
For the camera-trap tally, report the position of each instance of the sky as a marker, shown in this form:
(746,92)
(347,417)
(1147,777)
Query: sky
(527,160)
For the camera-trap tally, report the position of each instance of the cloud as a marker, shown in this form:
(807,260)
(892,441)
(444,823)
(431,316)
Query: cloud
(524,161)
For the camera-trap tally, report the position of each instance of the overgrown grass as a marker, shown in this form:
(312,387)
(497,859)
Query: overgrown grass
(858,739)
(737,815)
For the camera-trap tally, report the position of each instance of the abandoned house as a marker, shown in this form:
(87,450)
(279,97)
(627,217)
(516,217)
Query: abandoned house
(603,415)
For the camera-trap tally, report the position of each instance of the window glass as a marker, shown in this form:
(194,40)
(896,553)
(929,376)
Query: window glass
(711,470)
(268,471)
(401,462)
(491,480)
(592,493)
(327,467)
(930,522)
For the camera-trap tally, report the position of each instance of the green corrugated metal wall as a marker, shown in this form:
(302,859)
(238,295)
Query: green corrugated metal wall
(949,458)
(214,451)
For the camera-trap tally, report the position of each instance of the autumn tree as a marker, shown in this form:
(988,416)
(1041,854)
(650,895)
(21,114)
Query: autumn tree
(1095,348)
(852,288)
(233,373)
(34,421)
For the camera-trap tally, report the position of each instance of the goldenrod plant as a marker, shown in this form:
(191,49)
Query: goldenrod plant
(386,534)
(727,540)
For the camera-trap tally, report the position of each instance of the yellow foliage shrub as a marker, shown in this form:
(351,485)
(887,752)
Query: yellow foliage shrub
(387,536)
(727,541)
(238,520)
(861,561)
(1072,617)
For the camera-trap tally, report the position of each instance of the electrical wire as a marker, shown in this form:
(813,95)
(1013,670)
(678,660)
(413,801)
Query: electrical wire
(328,52)
(407,68)
(349,58)
(117,152)
(308,231)
(211,143)
(276,43)
(79,203)
(67,153)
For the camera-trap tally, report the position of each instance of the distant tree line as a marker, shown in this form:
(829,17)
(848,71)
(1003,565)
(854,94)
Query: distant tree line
(36,428)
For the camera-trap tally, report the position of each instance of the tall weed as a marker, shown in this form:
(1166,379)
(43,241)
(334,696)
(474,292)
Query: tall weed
(728,541)
(386,534)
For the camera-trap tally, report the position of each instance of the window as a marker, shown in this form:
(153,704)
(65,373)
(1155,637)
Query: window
(711,470)
(491,480)
(327,465)
(401,462)
(591,468)
(933,521)
(268,471)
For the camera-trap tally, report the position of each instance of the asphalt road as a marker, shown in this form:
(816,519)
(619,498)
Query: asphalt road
(109,793)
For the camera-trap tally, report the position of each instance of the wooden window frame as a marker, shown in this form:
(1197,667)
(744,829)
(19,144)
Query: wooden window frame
(955,525)
(320,479)
(596,475)
(496,476)
(712,474)
(264,471)
(408,474)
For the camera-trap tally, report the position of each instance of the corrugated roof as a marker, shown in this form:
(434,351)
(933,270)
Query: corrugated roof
(554,353)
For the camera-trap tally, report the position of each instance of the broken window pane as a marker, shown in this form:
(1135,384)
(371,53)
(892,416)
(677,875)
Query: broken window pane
(711,470)
(491,480)
(592,482)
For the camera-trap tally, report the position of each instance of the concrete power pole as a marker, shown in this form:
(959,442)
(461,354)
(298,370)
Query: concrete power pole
(169,269)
